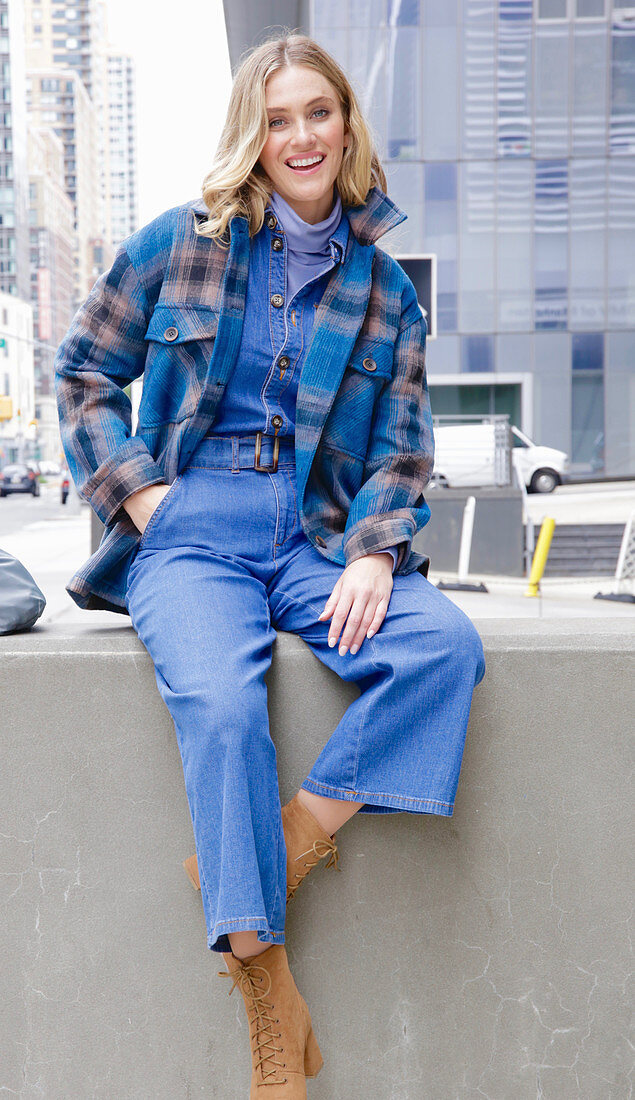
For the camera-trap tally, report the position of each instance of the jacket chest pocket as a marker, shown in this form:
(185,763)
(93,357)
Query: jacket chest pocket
(180,342)
(348,425)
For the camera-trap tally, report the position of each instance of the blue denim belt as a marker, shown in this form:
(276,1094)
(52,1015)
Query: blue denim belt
(250,452)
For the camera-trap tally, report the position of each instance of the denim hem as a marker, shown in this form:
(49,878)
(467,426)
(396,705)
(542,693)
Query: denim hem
(247,924)
(374,798)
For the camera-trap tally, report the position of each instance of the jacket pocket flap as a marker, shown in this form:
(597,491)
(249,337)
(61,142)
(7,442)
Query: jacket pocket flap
(177,324)
(373,359)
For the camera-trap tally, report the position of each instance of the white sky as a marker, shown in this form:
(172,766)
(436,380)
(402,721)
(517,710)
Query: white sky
(183,83)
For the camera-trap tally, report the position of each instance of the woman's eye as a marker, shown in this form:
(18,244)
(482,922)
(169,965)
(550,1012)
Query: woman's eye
(324,111)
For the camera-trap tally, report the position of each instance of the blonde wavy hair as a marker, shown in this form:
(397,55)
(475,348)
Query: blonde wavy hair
(237,185)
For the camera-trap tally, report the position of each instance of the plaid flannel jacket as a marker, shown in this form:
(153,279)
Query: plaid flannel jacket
(171,308)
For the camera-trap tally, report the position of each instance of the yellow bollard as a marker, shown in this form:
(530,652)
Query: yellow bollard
(541,554)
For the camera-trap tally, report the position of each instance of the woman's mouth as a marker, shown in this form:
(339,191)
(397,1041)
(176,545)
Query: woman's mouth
(305,166)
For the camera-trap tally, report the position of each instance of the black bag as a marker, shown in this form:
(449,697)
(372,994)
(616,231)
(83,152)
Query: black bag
(21,601)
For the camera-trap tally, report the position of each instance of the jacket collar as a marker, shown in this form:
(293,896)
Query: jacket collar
(368,221)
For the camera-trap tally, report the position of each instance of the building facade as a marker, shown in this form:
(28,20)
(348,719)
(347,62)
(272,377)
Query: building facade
(122,139)
(14,184)
(507,132)
(51,232)
(57,99)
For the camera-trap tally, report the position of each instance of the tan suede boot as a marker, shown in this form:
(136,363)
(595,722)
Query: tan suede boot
(306,843)
(284,1050)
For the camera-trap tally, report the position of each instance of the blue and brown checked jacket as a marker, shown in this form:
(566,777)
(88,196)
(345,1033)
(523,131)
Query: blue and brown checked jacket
(171,309)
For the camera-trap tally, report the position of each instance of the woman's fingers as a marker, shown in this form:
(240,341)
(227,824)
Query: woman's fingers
(344,607)
(371,622)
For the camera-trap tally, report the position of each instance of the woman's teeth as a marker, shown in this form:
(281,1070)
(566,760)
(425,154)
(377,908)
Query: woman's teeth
(307,165)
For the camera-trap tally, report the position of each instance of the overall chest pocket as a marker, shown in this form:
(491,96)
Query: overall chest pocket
(180,342)
(349,422)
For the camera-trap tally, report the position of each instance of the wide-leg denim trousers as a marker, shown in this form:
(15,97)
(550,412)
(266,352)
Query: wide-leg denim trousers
(222,564)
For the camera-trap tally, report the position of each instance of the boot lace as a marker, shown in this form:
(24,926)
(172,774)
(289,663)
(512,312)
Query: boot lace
(264,1035)
(319,849)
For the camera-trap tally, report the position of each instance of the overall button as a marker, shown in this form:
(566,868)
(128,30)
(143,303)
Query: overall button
(369,364)
(171,333)
(277,244)
(271,221)
(284,360)
(277,300)
(320,541)
(277,421)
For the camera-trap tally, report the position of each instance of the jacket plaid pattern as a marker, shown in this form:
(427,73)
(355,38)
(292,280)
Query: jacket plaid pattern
(171,308)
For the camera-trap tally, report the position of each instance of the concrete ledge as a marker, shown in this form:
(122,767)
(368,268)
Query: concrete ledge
(491,946)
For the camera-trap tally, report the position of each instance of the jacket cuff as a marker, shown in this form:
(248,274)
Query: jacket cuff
(129,468)
(379,532)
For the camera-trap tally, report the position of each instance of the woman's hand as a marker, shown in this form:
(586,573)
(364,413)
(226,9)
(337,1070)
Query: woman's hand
(362,593)
(142,504)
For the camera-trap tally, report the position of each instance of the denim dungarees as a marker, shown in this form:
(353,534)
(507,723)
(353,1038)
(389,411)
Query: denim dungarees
(222,565)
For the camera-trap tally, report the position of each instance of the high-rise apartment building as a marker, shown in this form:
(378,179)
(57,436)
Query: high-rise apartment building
(507,132)
(14,184)
(72,36)
(123,191)
(58,99)
(52,272)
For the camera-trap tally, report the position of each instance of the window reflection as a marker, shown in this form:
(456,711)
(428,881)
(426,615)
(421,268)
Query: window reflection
(622,123)
(440,103)
(478,78)
(403,93)
(477,353)
(552,91)
(588,240)
(478,313)
(514,240)
(404,13)
(621,218)
(589,89)
(514,78)
(550,251)
(441,236)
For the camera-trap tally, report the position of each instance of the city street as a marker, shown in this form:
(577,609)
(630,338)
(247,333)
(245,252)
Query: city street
(52,540)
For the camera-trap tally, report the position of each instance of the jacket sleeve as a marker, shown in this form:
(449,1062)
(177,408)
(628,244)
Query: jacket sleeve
(390,507)
(102,352)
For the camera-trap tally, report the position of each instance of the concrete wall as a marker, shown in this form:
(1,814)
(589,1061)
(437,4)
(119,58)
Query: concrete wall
(484,955)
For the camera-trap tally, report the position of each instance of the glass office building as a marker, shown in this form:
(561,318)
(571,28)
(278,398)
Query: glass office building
(507,132)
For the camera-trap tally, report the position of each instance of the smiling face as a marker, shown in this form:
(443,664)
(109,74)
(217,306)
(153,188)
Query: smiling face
(305,121)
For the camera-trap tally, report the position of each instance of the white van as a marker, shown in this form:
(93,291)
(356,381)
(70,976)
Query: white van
(480,454)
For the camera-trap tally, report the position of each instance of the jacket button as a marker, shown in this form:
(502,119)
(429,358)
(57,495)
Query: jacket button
(277,244)
(277,421)
(171,333)
(320,541)
(271,221)
(277,300)
(369,364)
(284,360)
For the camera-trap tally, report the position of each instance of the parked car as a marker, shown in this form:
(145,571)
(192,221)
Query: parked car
(20,477)
(468,455)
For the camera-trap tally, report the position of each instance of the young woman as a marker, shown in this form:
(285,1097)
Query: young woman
(274,482)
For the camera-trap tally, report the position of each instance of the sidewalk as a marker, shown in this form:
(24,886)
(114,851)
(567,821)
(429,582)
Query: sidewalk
(52,549)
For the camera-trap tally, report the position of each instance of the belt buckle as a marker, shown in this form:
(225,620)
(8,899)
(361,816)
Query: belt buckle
(276,448)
